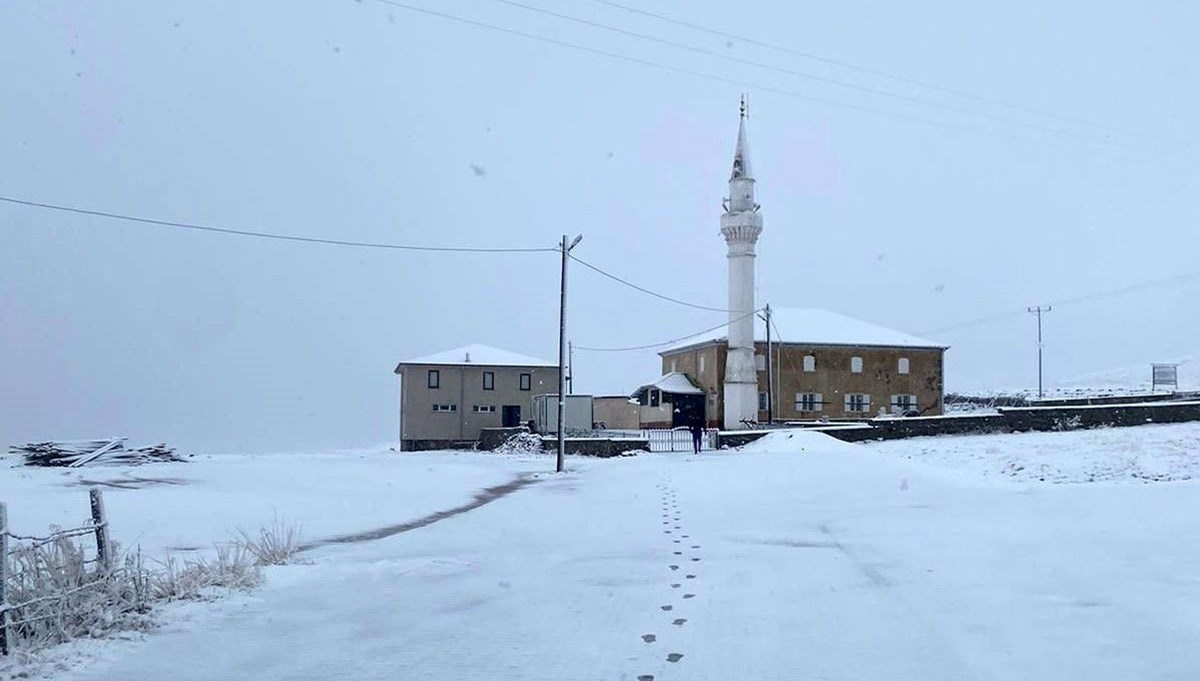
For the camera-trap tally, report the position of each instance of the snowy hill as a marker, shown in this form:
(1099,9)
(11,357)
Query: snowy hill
(1134,378)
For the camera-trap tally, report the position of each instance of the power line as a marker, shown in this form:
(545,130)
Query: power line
(645,290)
(792,72)
(268,235)
(875,72)
(673,340)
(1082,298)
(745,83)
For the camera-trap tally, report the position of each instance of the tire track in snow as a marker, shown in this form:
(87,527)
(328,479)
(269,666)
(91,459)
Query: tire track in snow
(482,497)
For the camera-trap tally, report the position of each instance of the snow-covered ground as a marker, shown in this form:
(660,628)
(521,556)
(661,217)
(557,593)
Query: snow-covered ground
(182,507)
(1125,380)
(1135,378)
(798,557)
(1147,453)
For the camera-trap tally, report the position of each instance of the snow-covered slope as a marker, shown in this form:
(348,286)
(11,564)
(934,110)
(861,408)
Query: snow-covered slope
(1135,378)
(1151,453)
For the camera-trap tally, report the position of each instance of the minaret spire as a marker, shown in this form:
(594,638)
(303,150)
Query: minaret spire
(741,153)
(741,225)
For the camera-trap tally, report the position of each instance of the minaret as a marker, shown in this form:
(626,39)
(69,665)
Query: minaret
(740,225)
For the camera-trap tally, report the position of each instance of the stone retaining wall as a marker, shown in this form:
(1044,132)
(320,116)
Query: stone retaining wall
(599,447)
(1012,419)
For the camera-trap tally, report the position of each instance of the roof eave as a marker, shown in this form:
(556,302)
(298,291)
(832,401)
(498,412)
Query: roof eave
(692,346)
(475,364)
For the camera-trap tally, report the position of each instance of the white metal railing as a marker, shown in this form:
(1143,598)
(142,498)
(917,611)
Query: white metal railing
(677,439)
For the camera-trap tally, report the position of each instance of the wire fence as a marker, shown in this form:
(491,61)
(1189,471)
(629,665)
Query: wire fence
(44,578)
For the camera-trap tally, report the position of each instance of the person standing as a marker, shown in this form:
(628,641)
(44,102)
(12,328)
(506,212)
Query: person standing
(697,429)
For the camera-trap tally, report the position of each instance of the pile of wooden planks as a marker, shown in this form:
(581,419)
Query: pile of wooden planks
(74,454)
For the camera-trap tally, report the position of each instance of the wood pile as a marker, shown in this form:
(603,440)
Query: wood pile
(73,454)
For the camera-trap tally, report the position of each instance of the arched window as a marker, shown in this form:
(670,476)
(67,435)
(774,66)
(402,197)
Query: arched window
(856,365)
(810,363)
(902,366)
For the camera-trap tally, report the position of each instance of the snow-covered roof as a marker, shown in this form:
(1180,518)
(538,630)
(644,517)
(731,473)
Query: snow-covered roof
(814,326)
(674,383)
(483,355)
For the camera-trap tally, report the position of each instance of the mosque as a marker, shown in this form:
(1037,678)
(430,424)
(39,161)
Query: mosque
(785,364)
(772,365)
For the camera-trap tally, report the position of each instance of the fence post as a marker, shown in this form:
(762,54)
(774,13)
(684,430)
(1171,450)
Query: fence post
(103,555)
(3,578)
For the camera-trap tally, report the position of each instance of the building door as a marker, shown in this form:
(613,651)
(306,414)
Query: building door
(688,409)
(510,415)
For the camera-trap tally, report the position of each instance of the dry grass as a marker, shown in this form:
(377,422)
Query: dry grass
(67,596)
(64,595)
(232,568)
(274,545)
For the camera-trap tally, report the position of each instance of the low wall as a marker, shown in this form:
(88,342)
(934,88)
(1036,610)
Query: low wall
(492,438)
(739,438)
(897,429)
(1072,418)
(1010,419)
(1107,399)
(598,447)
(427,445)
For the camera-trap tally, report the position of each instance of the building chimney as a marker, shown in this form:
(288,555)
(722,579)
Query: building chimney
(468,360)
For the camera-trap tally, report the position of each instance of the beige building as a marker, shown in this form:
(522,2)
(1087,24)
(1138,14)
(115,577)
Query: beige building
(615,412)
(824,365)
(448,397)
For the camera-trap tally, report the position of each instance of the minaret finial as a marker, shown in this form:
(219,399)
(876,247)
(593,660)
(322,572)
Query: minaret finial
(744,109)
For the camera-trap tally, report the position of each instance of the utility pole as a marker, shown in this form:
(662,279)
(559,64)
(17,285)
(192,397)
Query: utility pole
(766,317)
(562,350)
(1038,311)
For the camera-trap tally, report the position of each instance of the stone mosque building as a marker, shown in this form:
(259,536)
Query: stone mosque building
(823,365)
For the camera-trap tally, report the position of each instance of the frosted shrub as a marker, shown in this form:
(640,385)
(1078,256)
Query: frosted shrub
(233,567)
(63,596)
(521,443)
(274,545)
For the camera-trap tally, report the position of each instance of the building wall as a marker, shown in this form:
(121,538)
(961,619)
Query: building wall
(616,412)
(833,379)
(462,386)
(706,367)
(880,379)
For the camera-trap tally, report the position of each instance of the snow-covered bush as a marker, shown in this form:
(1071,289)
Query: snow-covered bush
(521,443)
(62,595)
(233,567)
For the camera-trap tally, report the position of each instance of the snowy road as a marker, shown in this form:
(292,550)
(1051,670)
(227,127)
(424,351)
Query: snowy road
(816,561)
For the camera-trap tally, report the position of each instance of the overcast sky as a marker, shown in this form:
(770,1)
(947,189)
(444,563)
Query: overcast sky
(357,120)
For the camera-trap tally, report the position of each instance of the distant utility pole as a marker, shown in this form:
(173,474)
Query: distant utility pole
(570,368)
(1038,311)
(766,317)
(562,349)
